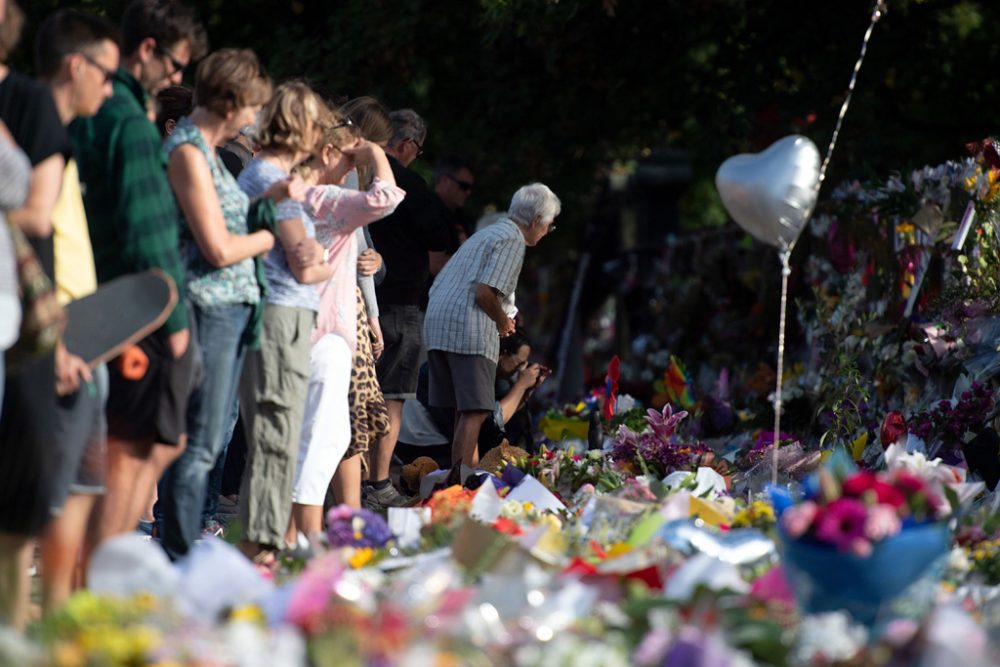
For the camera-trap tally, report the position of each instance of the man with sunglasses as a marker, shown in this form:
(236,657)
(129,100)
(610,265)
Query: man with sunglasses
(453,183)
(76,56)
(133,227)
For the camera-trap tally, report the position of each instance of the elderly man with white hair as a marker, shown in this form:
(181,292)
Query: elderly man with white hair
(470,309)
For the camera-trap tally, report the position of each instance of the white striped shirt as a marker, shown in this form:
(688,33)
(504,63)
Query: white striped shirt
(454,322)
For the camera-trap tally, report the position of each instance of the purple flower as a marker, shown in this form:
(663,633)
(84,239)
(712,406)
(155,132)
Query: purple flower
(511,476)
(843,525)
(695,649)
(626,444)
(347,527)
(665,423)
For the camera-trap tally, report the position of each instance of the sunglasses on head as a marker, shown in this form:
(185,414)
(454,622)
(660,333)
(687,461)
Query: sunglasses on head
(347,122)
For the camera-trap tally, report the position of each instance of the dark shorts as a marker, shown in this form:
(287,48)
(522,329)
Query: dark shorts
(399,365)
(462,381)
(154,406)
(27,421)
(81,439)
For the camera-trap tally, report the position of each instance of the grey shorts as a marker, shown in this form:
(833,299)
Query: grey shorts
(464,382)
(81,440)
(399,365)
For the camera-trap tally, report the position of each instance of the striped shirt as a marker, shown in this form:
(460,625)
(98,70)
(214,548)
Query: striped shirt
(130,206)
(454,322)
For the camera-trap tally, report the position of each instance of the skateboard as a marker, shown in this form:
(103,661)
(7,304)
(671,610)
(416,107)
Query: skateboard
(120,313)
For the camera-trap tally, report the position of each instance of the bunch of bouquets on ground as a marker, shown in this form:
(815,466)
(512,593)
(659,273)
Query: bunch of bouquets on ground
(212,608)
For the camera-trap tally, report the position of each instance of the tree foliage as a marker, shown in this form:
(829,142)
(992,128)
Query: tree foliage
(556,90)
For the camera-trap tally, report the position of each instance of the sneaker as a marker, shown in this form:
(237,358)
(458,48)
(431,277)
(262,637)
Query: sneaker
(213,529)
(379,500)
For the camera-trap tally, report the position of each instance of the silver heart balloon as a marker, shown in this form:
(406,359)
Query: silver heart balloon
(771,194)
(743,546)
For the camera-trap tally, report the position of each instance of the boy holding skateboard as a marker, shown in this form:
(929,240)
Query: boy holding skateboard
(75,56)
(133,227)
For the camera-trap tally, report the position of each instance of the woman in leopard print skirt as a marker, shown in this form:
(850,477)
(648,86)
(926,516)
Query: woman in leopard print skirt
(369,414)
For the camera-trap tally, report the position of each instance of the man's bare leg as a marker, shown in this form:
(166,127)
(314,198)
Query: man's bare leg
(161,456)
(134,468)
(62,545)
(125,460)
(465,447)
(15,559)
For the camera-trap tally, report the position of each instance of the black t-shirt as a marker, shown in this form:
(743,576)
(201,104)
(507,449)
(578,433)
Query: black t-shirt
(405,237)
(28,110)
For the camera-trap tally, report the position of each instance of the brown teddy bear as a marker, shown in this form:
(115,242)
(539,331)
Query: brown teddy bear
(413,473)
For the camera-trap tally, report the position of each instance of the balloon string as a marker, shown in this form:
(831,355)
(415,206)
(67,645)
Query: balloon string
(786,270)
(876,15)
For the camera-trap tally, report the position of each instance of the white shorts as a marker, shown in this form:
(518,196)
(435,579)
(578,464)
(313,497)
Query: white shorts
(326,427)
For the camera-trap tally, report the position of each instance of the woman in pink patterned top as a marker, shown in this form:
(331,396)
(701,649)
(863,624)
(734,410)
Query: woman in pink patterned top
(326,428)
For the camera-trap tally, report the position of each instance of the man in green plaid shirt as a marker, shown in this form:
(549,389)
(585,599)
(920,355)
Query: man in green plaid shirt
(133,227)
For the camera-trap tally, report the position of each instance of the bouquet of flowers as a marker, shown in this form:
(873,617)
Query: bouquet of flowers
(358,532)
(657,450)
(858,540)
(564,472)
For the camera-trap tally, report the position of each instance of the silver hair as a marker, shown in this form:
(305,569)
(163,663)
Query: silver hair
(535,199)
(407,124)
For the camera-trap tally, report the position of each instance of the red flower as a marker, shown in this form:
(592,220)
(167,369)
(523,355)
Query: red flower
(893,428)
(579,566)
(858,483)
(910,483)
(507,527)
(865,482)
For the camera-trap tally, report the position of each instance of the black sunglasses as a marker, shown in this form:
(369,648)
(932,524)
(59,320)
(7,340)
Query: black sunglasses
(465,186)
(176,64)
(108,74)
(420,148)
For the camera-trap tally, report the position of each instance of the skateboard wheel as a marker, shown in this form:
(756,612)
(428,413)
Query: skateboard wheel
(133,363)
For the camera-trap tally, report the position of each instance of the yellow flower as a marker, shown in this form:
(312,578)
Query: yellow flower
(992,193)
(619,549)
(361,557)
(249,612)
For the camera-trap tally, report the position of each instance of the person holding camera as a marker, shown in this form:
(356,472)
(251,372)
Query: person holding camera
(428,431)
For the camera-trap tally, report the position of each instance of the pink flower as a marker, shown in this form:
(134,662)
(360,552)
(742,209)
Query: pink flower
(843,524)
(798,519)
(665,423)
(882,522)
(861,547)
